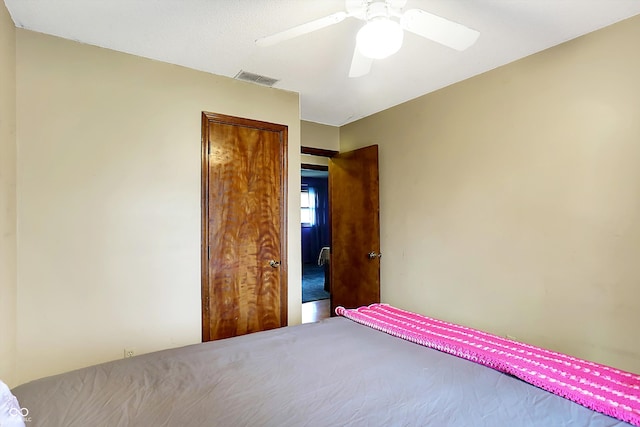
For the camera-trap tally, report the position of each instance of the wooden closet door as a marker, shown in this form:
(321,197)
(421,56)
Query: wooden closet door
(244,269)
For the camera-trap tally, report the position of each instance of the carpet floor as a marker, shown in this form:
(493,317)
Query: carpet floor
(313,283)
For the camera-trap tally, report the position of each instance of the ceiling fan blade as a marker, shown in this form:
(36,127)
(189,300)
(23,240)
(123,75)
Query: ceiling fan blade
(441,30)
(360,64)
(302,29)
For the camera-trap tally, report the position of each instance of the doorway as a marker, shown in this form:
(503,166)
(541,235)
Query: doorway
(314,215)
(354,227)
(315,234)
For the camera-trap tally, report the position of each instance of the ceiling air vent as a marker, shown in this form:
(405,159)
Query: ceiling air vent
(255,78)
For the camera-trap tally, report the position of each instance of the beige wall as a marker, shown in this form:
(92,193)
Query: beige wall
(7,197)
(511,201)
(317,135)
(109,200)
(314,160)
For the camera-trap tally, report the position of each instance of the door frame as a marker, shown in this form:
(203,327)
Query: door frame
(319,152)
(208,118)
(332,154)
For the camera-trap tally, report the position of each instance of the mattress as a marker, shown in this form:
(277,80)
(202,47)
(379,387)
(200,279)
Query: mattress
(331,373)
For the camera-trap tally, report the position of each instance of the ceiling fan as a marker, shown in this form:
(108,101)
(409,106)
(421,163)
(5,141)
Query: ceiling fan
(382,34)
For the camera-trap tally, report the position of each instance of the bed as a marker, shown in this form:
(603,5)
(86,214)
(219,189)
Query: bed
(336,372)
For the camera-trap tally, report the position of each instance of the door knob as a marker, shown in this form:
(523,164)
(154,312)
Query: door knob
(373,255)
(275,264)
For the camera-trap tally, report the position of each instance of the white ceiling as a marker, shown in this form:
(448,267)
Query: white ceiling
(218,36)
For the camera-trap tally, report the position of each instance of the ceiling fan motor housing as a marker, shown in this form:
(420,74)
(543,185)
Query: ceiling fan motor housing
(369,9)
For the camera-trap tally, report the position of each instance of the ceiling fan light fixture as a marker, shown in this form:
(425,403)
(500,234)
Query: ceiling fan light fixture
(379,38)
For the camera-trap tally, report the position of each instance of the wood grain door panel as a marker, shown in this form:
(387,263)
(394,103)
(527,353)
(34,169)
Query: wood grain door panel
(244,226)
(355,228)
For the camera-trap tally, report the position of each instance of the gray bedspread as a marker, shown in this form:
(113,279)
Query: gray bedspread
(331,373)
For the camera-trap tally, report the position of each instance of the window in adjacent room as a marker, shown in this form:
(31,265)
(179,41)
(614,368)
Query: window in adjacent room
(307,203)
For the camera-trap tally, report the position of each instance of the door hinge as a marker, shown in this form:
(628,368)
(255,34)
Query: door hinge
(206,304)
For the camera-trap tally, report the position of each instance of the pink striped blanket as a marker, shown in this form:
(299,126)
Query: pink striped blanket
(602,388)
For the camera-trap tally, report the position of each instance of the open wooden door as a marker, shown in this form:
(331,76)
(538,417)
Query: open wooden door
(355,228)
(244,260)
